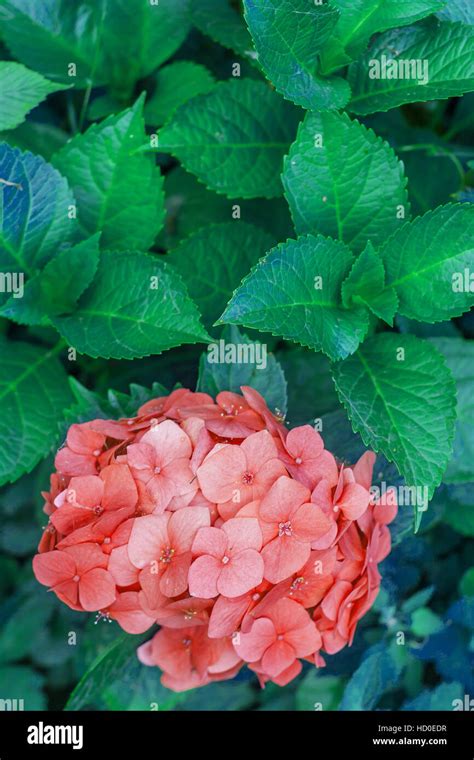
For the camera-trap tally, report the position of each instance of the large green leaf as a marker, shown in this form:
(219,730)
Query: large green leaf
(34,205)
(214,259)
(401,398)
(20,91)
(224,25)
(378,672)
(33,393)
(233,146)
(118,190)
(437,56)
(175,84)
(289,36)
(360,19)
(56,289)
(258,369)
(425,262)
(458,10)
(295,292)
(136,306)
(342,180)
(51,35)
(459,355)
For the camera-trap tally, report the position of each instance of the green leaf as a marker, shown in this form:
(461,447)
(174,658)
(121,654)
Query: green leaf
(458,10)
(466,585)
(118,191)
(56,289)
(175,84)
(212,260)
(138,36)
(189,205)
(19,682)
(378,673)
(333,181)
(433,176)
(33,393)
(20,91)
(288,36)
(233,147)
(19,631)
(136,306)
(360,19)
(443,52)
(317,692)
(34,205)
(365,285)
(426,263)
(459,513)
(257,369)
(459,356)
(294,292)
(424,622)
(219,21)
(40,139)
(441,698)
(50,35)
(401,398)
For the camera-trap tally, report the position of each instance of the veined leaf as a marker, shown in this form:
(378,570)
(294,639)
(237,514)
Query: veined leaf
(360,19)
(295,292)
(136,306)
(332,179)
(231,145)
(56,289)
(289,36)
(34,211)
(20,91)
(458,10)
(431,61)
(426,263)
(212,260)
(33,393)
(365,285)
(401,398)
(175,84)
(119,191)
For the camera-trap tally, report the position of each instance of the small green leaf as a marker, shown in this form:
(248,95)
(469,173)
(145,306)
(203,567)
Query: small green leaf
(233,147)
(33,393)
(435,60)
(365,285)
(333,181)
(21,683)
(459,356)
(311,391)
(318,692)
(175,84)
(426,263)
(467,583)
(56,289)
(378,673)
(424,622)
(257,369)
(212,260)
(295,292)
(40,139)
(137,305)
(289,36)
(401,398)
(219,21)
(119,191)
(20,91)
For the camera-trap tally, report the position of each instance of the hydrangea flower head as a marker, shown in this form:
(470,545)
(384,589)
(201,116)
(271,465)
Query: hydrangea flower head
(247,543)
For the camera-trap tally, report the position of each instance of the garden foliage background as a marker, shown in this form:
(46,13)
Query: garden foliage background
(415,649)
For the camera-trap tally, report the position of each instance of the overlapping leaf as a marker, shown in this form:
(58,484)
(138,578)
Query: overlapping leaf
(20,91)
(175,84)
(342,180)
(219,20)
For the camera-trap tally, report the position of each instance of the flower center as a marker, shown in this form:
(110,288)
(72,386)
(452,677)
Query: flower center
(225,559)
(157,470)
(186,642)
(76,579)
(98,510)
(298,460)
(280,637)
(285,529)
(189,614)
(247,478)
(297,583)
(166,555)
(96,452)
(107,540)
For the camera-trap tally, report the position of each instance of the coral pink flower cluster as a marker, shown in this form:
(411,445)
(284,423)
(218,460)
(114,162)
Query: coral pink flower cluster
(245,542)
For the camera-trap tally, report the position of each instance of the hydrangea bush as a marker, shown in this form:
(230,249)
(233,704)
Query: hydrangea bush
(269,203)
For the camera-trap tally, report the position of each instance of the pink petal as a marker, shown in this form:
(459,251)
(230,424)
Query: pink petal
(126,610)
(333,600)
(281,500)
(227,615)
(53,567)
(211,541)
(258,449)
(363,469)
(284,556)
(241,574)
(169,441)
(203,575)
(120,567)
(243,533)
(119,487)
(149,535)
(174,580)
(221,472)
(96,590)
(87,557)
(277,658)
(184,524)
(251,646)
(310,523)
(354,501)
(305,641)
